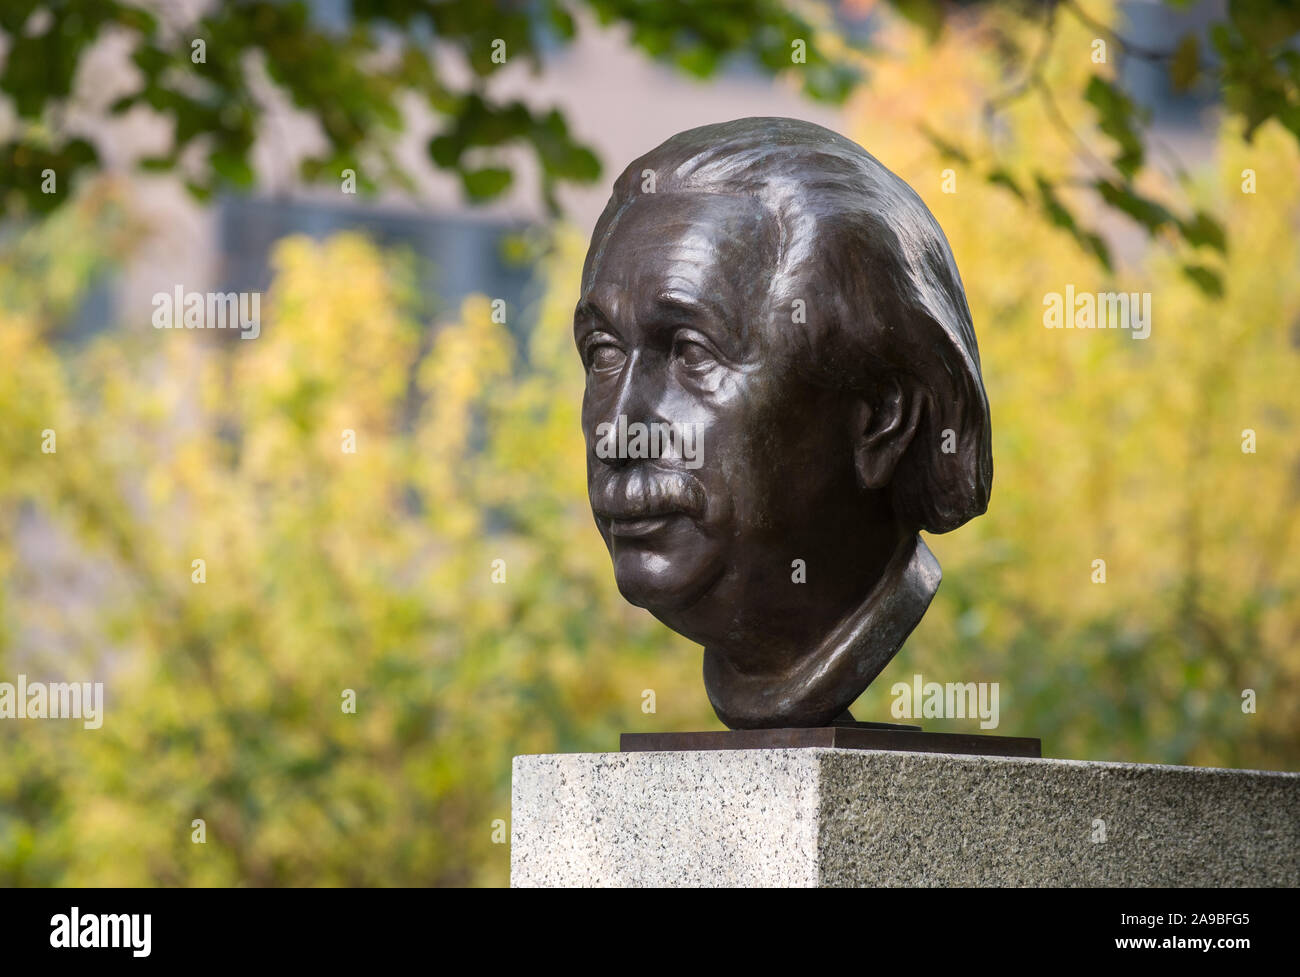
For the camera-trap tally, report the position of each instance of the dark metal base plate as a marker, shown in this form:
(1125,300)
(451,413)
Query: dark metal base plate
(861,737)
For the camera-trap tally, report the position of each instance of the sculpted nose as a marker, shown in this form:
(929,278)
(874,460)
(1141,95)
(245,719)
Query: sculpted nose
(632,404)
(634,389)
(613,429)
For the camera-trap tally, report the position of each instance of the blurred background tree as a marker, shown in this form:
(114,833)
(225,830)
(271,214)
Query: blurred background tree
(351,73)
(373,571)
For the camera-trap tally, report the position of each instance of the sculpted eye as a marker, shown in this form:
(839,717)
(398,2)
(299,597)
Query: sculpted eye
(693,355)
(605,356)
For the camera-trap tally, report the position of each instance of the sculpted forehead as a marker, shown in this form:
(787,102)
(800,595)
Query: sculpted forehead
(711,248)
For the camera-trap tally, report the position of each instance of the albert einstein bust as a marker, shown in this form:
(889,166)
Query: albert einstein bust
(783,316)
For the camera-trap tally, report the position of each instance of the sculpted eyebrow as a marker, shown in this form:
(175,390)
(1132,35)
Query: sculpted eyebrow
(589,315)
(680,307)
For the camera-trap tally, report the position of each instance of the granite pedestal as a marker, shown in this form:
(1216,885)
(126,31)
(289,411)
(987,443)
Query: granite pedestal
(833,817)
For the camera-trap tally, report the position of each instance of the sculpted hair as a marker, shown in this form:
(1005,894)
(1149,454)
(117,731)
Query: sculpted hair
(881,290)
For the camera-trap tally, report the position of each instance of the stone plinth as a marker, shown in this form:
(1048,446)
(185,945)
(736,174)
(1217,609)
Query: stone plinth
(832,817)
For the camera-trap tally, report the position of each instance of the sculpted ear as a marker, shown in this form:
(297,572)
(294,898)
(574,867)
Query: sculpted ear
(882,433)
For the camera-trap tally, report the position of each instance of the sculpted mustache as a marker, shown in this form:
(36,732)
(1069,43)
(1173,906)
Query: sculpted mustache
(638,492)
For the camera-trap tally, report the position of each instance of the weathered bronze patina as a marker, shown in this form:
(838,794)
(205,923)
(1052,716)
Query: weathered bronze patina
(782,389)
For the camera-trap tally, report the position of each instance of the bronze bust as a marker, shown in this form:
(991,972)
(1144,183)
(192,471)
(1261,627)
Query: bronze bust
(782,388)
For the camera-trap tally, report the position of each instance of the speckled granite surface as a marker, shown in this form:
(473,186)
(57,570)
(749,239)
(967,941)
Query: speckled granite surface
(830,817)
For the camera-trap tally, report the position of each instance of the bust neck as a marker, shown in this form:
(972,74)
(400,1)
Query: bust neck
(821,685)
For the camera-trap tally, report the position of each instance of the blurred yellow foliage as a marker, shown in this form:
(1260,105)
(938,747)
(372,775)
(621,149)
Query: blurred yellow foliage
(1112,448)
(372,571)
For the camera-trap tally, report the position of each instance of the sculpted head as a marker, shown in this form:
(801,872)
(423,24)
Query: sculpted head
(782,388)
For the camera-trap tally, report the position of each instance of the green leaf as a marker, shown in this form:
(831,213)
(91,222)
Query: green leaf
(199,191)
(1117,117)
(1185,66)
(561,21)
(925,14)
(1002,178)
(1207,280)
(946,149)
(445,150)
(1203,229)
(1147,212)
(232,167)
(699,61)
(1059,215)
(486,183)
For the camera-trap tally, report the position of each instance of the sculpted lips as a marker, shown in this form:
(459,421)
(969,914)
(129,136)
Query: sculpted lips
(642,501)
(639,528)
